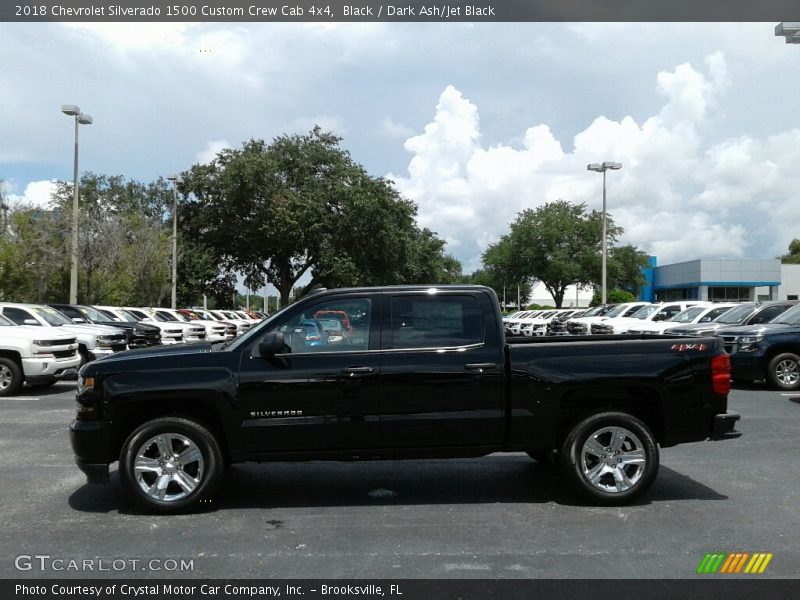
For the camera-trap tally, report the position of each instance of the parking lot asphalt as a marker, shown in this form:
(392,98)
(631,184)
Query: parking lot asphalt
(503,516)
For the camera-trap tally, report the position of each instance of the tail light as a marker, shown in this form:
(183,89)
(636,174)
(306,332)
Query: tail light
(721,374)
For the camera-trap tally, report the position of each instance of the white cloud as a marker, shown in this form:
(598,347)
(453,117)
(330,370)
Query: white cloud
(210,152)
(678,196)
(392,129)
(37,193)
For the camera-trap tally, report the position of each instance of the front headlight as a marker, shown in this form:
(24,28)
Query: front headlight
(749,343)
(85,384)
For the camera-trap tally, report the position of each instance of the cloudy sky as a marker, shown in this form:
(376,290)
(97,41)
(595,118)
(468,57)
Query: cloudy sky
(474,122)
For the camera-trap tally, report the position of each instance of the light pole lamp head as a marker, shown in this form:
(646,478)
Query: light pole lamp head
(70,110)
(174,178)
(790,30)
(85,119)
(595,167)
(612,165)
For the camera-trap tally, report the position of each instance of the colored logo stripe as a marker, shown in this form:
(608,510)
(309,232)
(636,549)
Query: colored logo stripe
(735,562)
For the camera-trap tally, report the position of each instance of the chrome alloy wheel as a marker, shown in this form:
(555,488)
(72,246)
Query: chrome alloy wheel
(787,372)
(6,377)
(613,459)
(168,467)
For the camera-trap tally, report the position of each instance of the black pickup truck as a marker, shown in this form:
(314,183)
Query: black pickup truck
(423,372)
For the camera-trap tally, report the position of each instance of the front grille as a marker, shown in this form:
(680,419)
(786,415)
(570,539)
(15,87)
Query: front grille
(66,342)
(577,328)
(173,331)
(119,347)
(730,343)
(64,353)
(598,329)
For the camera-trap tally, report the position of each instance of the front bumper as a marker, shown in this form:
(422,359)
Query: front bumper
(747,365)
(90,442)
(725,427)
(49,368)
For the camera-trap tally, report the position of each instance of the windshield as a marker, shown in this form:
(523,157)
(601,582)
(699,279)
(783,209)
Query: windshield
(790,317)
(645,312)
(92,314)
(596,311)
(162,315)
(736,315)
(616,311)
(135,315)
(52,316)
(688,315)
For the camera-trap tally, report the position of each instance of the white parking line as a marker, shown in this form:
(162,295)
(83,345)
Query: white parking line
(20,398)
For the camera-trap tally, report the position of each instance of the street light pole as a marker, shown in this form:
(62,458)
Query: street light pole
(80,119)
(602,168)
(175,179)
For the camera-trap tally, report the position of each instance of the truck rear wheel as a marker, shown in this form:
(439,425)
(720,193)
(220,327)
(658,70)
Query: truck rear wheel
(10,377)
(170,464)
(783,372)
(609,458)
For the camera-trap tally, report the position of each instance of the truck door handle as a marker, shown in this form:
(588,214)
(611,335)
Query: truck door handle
(480,367)
(357,370)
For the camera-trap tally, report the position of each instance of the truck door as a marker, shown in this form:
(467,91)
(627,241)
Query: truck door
(321,392)
(441,370)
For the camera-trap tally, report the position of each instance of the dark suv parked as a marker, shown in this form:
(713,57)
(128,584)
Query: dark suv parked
(748,313)
(138,335)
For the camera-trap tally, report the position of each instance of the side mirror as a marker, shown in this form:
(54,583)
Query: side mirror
(30,322)
(271,344)
(78,320)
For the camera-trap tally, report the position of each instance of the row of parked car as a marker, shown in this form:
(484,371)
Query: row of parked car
(42,343)
(762,339)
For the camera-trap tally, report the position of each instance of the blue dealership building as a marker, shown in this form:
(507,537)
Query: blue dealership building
(715,280)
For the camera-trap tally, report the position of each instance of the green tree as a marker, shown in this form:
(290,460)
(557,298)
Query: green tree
(625,268)
(614,296)
(276,212)
(557,244)
(793,257)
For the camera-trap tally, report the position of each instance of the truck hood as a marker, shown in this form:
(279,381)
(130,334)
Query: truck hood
(31,332)
(698,328)
(157,351)
(757,329)
(93,329)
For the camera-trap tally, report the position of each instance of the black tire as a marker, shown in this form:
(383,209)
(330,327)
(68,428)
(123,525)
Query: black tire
(783,371)
(144,447)
(85,356)
(11,377)
(616,481)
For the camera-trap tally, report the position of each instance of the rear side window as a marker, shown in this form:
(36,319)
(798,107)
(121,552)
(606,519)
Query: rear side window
(769,313)
(435,321)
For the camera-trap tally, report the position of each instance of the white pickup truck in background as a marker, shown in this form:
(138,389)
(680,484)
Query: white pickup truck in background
(94,341)
(35,356)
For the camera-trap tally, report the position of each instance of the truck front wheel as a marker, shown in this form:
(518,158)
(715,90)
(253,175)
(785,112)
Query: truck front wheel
(783,371)
(10,377)
(609,458)
(170,464)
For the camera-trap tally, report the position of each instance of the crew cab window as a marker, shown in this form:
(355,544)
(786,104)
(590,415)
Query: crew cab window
(435,321)
(335,325)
